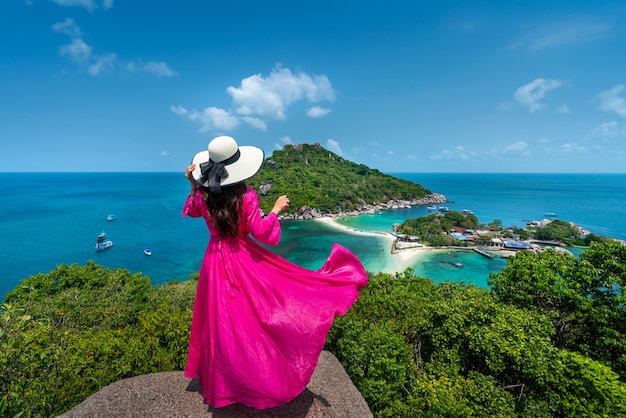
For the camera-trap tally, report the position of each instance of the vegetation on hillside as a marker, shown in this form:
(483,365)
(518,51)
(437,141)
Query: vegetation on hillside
(548,339)
(565,232)
(67,334)
(434,229)
(315,177)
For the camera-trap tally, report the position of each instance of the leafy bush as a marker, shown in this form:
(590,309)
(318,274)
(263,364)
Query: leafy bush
(557,230)
(66,334)
(583,298)
(415,349)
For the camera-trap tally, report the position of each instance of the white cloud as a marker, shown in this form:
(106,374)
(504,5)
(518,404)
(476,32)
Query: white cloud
(271,96)
(333,146)
(519,148)
(572,148)
(605,129)
(568,32)
(317,112)
(612,101)
(159,69)
(531,94)
(101,64)
(97,64)
(260,98)
(164,153)
(67,27)
(457,153)
(90,5)
(255,123)
(285,140)
(211,118)
(78,51)
(563,109)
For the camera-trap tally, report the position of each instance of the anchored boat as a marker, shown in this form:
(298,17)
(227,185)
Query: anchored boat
(102,242)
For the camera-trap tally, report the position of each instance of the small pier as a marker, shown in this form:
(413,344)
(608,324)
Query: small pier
(483,253)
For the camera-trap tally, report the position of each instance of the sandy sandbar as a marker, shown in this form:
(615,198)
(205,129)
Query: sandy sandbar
(397,261)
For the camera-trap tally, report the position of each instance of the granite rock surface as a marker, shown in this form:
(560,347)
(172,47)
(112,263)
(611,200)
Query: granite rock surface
(330,393)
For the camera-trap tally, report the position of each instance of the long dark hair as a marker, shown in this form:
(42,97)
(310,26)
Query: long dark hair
(224,208)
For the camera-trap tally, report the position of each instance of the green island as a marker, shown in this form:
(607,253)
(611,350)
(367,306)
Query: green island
(458,229)
(547,339)
(318,180)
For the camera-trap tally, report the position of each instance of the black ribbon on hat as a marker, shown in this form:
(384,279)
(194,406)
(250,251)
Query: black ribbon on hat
(214,172)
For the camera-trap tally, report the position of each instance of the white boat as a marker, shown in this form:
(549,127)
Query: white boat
(102,242)
(444,209)
(550,215)
(431,208)
(147,252)
(111,218)
(467,212)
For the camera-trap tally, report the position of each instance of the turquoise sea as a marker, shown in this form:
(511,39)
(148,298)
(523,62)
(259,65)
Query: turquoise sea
(47,219)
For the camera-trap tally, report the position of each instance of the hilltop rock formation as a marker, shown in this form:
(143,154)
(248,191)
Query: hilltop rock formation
(329,394)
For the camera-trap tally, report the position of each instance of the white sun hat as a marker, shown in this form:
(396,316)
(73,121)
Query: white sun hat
(224,163)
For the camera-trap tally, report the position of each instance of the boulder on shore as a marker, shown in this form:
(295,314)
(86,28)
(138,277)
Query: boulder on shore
(170,394)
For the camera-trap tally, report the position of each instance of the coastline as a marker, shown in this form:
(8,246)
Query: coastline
(403,255)
(395,261)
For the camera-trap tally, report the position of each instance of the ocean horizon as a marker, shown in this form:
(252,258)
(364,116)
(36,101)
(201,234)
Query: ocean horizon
(48,219)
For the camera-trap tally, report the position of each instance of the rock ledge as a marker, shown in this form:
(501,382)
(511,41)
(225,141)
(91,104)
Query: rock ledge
(170,394)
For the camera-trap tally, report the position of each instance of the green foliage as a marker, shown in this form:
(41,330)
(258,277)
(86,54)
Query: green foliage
(583,297)
(30,352)
(548,340)
(315,177)
(557,230)
(433,228)
(576,386)
(85,297)
(415,349)
(524,234)
(66,334)
(453,396)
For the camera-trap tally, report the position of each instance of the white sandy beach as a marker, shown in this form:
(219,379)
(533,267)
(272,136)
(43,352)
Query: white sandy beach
(395,262)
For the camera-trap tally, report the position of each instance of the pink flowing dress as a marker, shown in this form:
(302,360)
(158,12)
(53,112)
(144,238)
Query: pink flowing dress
(259,321)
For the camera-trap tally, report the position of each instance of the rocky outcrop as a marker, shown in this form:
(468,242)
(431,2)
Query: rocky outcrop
(307,212)
(265,187)
(329,394)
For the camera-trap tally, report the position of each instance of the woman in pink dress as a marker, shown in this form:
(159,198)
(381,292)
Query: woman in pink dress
(259,321)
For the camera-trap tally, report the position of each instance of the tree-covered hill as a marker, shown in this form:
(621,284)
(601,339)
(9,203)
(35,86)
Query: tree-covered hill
(313,176)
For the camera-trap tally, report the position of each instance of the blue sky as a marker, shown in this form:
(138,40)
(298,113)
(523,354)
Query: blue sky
(420,86)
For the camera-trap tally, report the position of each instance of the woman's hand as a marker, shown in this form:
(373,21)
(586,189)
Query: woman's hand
(189,170)
(189,176)
(281,204)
